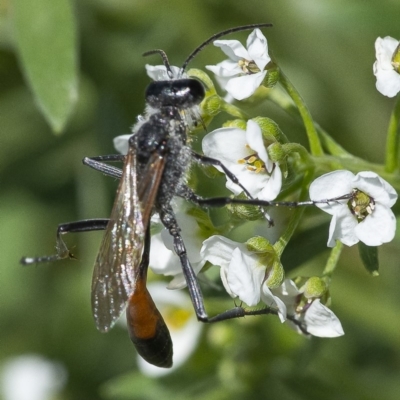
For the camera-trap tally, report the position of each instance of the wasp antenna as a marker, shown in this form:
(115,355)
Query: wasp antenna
(218,35)
(164,58)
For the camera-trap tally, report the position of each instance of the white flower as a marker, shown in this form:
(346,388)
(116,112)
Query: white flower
(387,66)
(159,72)
(317,319)
(243,273)
(244,72)
(31,377)
(366,217)
(244,154)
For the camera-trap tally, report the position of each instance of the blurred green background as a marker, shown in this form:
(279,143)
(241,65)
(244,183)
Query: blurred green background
(327,50)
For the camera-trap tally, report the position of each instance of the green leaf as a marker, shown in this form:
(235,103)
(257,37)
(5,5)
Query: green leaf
(45,34)
(369,257)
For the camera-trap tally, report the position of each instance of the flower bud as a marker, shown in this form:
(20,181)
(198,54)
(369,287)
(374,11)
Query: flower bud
(275,275)
(236,123)
(259,244)
(270,129)
(272,77)
(211,105)
(314,288)
(276,152)
(247,212)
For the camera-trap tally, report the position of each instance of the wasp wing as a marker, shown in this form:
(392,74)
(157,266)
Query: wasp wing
(120,253)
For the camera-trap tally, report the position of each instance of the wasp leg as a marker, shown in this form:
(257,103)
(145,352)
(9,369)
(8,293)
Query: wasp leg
(240,312)
(63,252)
(187,194)
(98,164)
(168,219)
(216,163)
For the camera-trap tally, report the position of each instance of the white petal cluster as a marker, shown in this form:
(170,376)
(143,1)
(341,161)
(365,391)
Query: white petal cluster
(386,68)
(378,227)
(233,147)
(243,72)
(243,276)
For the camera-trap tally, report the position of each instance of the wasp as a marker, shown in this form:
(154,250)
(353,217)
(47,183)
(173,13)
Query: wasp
(153,173)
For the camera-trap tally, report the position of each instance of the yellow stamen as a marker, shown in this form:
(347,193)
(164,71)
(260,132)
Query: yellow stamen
(253,163)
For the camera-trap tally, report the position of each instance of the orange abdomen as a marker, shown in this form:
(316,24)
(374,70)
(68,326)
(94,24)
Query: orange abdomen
(147,328)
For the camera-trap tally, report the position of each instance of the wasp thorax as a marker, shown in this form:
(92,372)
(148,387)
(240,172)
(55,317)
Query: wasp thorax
(360,204)
(248,67)
(180,93)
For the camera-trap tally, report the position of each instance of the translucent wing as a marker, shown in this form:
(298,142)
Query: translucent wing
(120,253)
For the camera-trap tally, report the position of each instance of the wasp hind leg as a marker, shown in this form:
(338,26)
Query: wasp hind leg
(63,252)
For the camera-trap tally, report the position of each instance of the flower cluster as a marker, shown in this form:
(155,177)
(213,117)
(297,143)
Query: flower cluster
(360,204)
(387,66)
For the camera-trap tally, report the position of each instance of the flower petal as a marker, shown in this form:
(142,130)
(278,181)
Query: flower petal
(244,86)
(342,228)
(233,49)
(387,78)
(255,141)
(245,277)
(321,321)
(330,186)
(273,186)
(227,145)
(273,301)
(159,72)
(378,227)
(258,49)
(384,49)
(376,187)
(225,69)
(388,82)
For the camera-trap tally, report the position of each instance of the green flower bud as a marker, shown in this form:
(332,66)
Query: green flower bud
(259,244)
(249,213)
(236,123)
(270,129)
(272,77)
(211,105)
(276,152)
(315,287)
(275,275)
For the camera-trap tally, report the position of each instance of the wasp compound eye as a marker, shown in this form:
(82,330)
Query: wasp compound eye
(180,93)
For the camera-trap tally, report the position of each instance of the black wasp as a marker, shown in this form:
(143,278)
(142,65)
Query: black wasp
(152,175)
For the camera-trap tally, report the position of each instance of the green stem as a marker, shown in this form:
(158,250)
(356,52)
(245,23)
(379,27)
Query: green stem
(280,245)
(315,144)
(233,110)
(392,145)
(327,141)
(333,259)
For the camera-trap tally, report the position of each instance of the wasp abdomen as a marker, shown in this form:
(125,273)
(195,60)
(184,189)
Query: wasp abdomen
(147,329)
